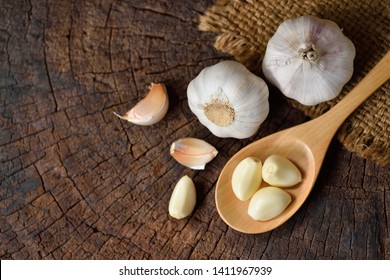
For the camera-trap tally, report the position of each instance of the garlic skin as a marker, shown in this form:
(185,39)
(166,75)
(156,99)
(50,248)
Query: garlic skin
(279,171)
(229,100)
(183,198)
(267,203)
(151,109)
(192,152)
(309,59)
(246,178)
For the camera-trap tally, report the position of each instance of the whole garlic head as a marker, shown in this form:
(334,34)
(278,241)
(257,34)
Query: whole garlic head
(229,100)
(309,59)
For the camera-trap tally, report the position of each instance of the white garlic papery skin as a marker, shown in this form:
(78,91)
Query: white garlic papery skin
(309,59)
(268,203)
(229,100)
(151,109)
(183,198)
(279,171)
(246,178)
(192,152)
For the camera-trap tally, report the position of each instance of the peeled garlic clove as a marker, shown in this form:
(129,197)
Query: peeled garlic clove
(229,100)
(268,203)
(309,59)
(246,178)
(183,198)
(192,152)
(280,172)
(151,109)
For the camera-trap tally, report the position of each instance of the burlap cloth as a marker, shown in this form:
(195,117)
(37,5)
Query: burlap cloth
(245,26)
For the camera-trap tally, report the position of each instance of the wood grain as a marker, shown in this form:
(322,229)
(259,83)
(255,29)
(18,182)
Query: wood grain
(76,182)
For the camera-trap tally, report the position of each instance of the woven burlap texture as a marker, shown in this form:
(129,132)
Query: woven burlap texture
(244,28)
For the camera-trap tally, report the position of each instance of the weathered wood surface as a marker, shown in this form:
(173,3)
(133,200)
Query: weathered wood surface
(79,183)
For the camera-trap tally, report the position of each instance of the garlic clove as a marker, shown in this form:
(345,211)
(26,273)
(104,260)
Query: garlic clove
(309,59)
(268,203)
(246,178)
(151,109)
(280,172)
(229,100)
(192,152)
(183,198)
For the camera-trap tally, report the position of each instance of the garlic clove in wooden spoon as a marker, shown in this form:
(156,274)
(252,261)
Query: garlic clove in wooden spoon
(192,152)
(279,171)
(267,203)
(151,109)
(246,178)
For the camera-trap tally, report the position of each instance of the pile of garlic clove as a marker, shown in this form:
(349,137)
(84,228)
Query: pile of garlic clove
(270,201)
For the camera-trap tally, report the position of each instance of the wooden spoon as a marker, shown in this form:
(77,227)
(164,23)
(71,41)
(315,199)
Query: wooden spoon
(305,145)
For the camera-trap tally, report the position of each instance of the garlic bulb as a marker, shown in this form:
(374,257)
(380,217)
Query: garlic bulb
(229,100)
(151,109)
(192,152)
(309,59)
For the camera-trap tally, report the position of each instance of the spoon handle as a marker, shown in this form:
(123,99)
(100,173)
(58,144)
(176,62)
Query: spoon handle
(367,86)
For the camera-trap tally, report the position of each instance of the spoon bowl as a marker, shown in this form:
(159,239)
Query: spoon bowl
(305,145)
(234,211)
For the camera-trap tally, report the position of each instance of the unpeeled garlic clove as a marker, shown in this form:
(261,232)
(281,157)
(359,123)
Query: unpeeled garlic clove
(280,172)
(268,203)
(183,198)
(192,152)
(246,178)
(151,109)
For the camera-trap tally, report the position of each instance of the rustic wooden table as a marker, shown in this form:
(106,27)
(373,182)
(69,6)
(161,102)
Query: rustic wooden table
(79,183)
